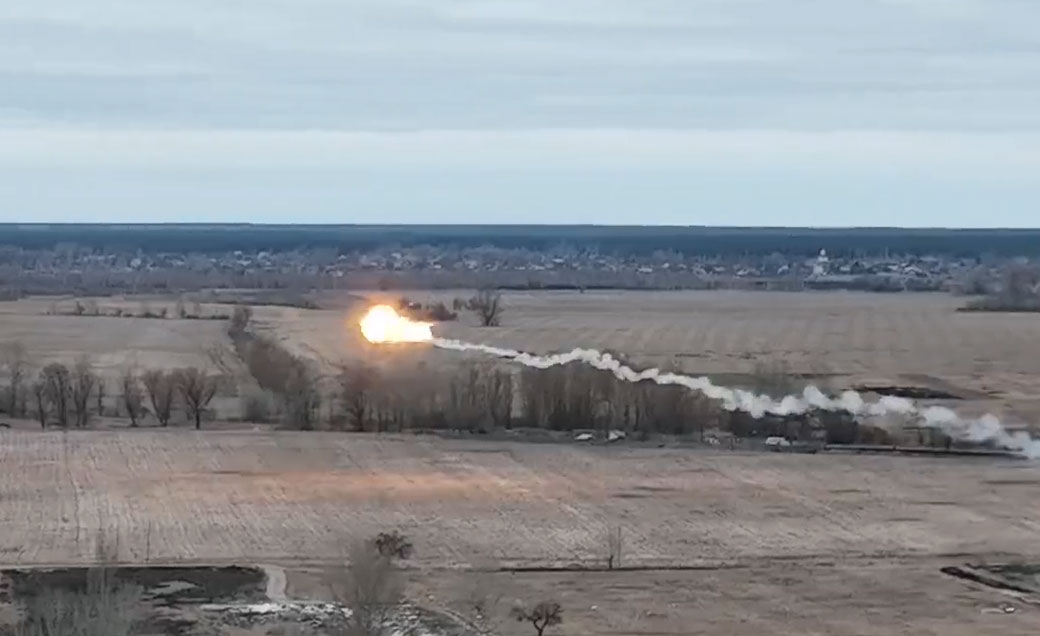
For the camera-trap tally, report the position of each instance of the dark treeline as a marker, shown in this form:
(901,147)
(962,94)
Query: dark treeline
(635,240)
(483,397)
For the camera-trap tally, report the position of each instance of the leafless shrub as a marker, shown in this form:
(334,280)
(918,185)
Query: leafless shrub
(196,388)
(131,395)
(499,389)
(14,361)
(276,370)
(479,397)
(268,362)
(542,616)
(302,397)
(567,397)
(371,588)
(1019,291)
(614,547)
(393,545)
(99,397)
(83,382)
(39,392)
(975,282)
(574,396)
(103,607)
(240,318)
(357,387)
(439,312)
(56,383)
(222,358)
(161,388)
(487,305)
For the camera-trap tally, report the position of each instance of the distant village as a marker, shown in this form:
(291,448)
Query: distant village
(71,269)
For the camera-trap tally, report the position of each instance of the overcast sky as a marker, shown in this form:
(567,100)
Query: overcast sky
(713,112)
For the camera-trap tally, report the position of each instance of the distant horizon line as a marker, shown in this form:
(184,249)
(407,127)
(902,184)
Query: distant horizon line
(260,224)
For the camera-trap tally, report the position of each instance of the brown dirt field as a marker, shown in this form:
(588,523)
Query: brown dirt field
(282,495)
(815,544)
(789,544)
(111,343)
(842,338)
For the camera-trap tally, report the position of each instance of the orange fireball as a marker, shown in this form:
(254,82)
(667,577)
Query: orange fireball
(383,324)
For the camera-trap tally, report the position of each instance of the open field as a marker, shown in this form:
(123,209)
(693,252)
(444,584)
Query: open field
(291,496)
(113,343)
(108,341)
(842,339)
(772,543)
(767,527)
(839,339)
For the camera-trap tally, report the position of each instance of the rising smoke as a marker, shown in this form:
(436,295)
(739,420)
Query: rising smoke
(983,429)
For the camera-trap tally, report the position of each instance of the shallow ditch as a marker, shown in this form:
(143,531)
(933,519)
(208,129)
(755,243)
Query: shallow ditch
(1022,578)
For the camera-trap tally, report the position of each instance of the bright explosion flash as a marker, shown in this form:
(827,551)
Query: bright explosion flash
(383,324)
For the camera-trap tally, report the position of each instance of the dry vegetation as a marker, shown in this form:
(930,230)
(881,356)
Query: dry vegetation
(309,368)
(285,497)
(808,529)
(1018,291)
(806,533)
(769,341)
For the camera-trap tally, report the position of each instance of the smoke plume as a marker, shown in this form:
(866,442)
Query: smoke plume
(983,429)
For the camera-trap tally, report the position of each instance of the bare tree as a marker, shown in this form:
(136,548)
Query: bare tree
(1019,291)
(1021,285)
(542,616)
(99,397)
(161,390)
(83,382)
(371,588)
(39,392)
(357,384)
(498,385)
(487,305)
(393,545)
(614,547)
(14,361)
(57,390)
(131,395)
(301,397)
(240,318)
(196,388)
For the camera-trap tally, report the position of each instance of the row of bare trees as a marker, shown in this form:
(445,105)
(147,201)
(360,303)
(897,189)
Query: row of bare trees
(294,382)
(1018,290)
(61,393)
(480,397)
(483,396)
(72,395)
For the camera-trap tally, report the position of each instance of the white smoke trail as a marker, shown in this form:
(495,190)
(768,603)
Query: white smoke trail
(984,429)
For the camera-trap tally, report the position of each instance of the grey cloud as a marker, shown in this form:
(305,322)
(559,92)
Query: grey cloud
(921,112)
(377,64)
